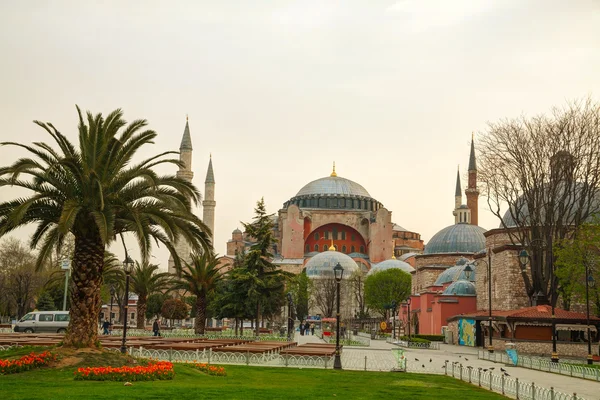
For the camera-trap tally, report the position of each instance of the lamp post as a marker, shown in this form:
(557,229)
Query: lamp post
(290,324)
(408,304)
(490,318)
(338,271)
(127,267)
(112,296)
(394,319)
(589,281)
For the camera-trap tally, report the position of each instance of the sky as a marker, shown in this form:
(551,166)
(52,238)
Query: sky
(277,91)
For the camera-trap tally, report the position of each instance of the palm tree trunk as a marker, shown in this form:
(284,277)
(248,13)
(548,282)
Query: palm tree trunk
(86,280)
(200,323)
(142,305)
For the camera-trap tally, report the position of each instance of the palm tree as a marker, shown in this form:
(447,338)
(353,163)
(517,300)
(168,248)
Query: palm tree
(146,280)
(200,278)
(96,192)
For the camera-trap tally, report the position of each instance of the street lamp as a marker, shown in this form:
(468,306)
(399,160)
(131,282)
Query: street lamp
(127,267)
(468,270)
(394,319)
(112,296)
(589,281)
(290,324)
(408,304)
(490,327)
(338,272)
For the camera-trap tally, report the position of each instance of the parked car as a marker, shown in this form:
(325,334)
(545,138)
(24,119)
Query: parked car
(43,321)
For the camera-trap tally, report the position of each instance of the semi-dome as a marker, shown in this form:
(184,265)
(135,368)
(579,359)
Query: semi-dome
(333,185)
(392,263)
(454,274)
(460,288)
(458,238)
(321,265)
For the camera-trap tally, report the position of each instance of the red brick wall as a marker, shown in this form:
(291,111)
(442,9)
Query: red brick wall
(338,242)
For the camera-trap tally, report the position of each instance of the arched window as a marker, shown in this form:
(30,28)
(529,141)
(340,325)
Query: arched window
(307,249)
(316,235)
(344,249)
(343,235)
(324,247)
(316,247)
(352,249)
(362,249)
(326,234)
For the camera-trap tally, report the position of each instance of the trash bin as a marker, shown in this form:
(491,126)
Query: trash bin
(373,333)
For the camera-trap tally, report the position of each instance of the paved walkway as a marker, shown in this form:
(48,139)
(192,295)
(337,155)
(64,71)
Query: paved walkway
(379,356)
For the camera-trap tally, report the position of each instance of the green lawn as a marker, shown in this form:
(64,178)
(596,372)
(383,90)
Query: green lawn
(243,383)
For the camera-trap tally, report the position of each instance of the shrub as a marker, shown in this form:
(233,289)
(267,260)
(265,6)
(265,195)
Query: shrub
(26,363)
(431,338)
(414,339)
(160,370)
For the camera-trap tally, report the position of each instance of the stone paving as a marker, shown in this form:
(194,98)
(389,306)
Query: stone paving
(432,361)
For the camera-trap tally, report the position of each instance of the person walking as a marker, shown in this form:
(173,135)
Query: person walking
(312,328)
(105,327)
(307,328)
(302,328)
(156,327)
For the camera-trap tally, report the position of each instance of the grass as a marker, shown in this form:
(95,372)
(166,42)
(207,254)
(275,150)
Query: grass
(241,382)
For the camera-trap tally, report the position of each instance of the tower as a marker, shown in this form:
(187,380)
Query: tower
(182,247)
(457,198)
(472,192)
(209,203)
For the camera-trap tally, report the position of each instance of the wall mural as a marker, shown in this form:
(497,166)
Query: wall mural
(466,332)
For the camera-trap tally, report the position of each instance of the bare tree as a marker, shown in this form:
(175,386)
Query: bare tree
(357,288)
(546,171)
(324,292)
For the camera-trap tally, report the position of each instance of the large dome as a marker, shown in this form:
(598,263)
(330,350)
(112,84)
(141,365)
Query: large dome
(321,265)
(458,238)
(393,263)
(333,185)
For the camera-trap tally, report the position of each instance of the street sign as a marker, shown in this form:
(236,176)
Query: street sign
(65,264)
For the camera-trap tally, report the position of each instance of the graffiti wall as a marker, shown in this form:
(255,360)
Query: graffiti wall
(466,332)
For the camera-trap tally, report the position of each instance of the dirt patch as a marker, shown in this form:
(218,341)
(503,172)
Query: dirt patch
(86,357)
(68,362)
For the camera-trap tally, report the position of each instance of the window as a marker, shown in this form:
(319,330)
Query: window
(46,318)
(132,315)
(316,247)
(61,317)
(112,316)
(352,249)
(343,249)
(324,247)
(316,235)
(352,237)
(307,249)
(326,234)
(343,235)
(28,317)
(362,249)
(334,234)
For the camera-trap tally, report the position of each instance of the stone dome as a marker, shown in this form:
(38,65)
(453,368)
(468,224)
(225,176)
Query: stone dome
(458,238)
(321,265)
(392,263)
(454,274)
(460,288)
(333,185)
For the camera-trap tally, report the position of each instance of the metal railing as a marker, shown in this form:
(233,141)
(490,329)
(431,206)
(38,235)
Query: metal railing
(543,364)
(415,345)
(504,384)
(166,334)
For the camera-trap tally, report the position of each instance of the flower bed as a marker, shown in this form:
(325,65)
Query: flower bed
(26,363)
(160,370)
(211,369)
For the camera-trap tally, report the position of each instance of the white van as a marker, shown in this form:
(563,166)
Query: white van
(43,321)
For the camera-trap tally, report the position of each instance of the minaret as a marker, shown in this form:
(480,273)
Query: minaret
(457,197)
(185,172)
(209,203)
(472,192)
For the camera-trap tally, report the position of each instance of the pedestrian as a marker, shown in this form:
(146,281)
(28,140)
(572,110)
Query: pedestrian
(156,327)
(307,327)
(302,328)
(312,328)
(106,326)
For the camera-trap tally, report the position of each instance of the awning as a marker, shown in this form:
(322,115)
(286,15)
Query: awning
(574,327)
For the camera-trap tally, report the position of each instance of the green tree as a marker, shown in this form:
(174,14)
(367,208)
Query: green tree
(144,281)
(262,275)
(300,287)
(45,302)
(96,191)
(200,278)
(231,298)
(575,257)
(384,287)
(154,306)
(174,309)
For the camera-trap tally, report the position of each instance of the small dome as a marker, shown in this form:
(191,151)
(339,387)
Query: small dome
(333,185)
(460,288)
(462,261)
(321,265)
(392,263)
(454,274)
(458,238)
(236,230)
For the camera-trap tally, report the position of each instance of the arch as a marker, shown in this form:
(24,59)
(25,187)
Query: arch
(344,236)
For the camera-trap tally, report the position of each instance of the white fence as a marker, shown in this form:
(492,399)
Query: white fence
(543,364)
(506,385)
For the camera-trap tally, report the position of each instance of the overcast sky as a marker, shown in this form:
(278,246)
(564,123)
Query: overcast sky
(277,91)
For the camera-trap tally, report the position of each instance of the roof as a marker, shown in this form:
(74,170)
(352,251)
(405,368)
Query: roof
(455,273)
(398,228)
(390,264)
(210,176)
(458,192)
(458,238)
(186,140)
(472,163)
(321,265)
(460,288)
(333,185)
